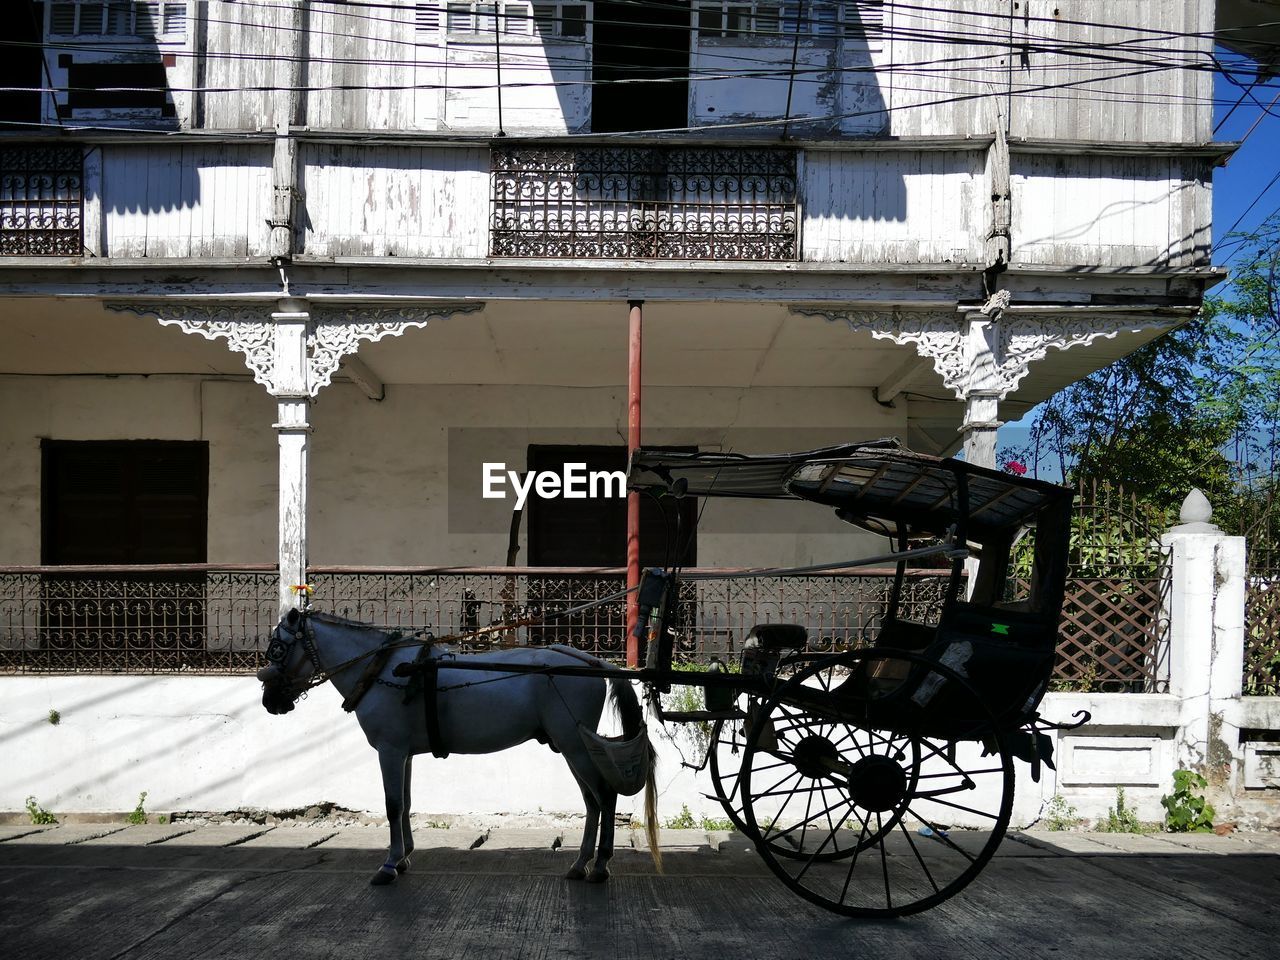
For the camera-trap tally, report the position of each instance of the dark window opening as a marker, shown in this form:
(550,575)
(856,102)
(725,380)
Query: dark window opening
(593,533)
(21,70)
(129,503)
(640,41)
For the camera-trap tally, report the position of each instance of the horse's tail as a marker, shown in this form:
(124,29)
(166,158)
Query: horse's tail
(627,704)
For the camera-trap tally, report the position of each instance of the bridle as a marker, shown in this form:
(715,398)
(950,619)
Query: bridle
(279,650)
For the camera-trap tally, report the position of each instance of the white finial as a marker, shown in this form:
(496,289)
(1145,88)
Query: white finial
(1195,514)
(1195,508)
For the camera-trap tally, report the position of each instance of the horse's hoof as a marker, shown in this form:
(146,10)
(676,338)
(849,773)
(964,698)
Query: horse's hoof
(382,877)
(597,876)
(576,873)
(402,866)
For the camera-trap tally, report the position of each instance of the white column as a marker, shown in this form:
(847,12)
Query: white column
(979,428)
(292,393)
(1205,607)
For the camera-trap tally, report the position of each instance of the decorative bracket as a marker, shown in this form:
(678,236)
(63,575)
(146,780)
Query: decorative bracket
(238,324)
(990,349)
(332,333)
(338,331)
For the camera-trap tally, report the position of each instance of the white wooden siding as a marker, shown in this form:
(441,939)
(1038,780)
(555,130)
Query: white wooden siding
(1069,96)
(188,201)
(1110,211)
(539,95)
(396,201)
(877,207)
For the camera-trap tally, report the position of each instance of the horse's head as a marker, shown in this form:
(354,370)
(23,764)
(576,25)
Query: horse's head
(291,662)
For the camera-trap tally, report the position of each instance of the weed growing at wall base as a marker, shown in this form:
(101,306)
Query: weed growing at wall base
(139,815)
(1121,818)
(38,814)
(1187,811)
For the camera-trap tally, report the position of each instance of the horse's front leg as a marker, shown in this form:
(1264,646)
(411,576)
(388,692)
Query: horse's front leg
(394,765)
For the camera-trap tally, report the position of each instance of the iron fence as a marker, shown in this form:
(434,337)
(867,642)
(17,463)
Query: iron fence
(644,202)
(207,619)
(41,201)
(186,618)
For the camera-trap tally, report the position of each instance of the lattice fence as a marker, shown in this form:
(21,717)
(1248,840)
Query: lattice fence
(1114,628)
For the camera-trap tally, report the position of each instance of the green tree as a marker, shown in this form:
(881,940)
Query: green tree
(1197,407)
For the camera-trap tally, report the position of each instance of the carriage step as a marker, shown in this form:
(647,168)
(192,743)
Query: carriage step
(689,716)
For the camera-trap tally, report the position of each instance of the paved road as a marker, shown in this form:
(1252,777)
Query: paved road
(107,892)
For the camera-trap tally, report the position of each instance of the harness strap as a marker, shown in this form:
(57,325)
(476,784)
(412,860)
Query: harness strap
(377,660)
(431,708)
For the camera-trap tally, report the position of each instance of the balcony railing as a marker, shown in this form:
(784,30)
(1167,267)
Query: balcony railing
(41,201)
(644,202)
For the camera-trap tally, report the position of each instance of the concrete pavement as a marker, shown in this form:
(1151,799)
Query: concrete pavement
(109,892)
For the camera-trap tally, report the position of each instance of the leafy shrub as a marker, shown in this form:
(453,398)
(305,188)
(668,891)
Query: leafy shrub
(1060,815)
(139,815)
(1187,811)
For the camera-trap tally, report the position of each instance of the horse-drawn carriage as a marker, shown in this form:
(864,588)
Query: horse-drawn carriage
(874,781)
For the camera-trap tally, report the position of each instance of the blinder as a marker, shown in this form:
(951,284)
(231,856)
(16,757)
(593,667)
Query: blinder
(279,692)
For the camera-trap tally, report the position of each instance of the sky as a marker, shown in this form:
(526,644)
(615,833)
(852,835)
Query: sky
(1240,188)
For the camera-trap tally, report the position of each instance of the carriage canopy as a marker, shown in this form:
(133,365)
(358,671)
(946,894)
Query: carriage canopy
(877,484)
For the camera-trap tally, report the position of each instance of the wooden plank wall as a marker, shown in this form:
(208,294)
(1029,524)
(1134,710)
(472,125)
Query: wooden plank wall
(1111,211)
(955,80)
(900,207)
(242,40)
(373,48)
(195,200)
(396,201)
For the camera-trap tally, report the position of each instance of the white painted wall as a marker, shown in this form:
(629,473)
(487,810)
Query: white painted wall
(378,470)
(206,743)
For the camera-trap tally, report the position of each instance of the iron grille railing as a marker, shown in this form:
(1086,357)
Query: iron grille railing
(644,202)
(136,620)
(41,201)
(206,619)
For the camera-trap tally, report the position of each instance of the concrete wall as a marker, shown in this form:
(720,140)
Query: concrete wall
(206,743)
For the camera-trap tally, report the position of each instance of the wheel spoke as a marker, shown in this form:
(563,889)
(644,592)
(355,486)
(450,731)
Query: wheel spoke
(923,866)
(937,833)
(853,861)
(960,806)
(884,862)
(797,826)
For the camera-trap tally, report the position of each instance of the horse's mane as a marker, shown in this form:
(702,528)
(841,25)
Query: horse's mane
(346,621)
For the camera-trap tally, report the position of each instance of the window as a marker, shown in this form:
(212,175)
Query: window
(118,19)
(556,21)
(860,20)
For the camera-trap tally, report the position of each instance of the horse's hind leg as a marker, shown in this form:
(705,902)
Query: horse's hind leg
(608,805)
(394,764)
(406,832)
(579,869)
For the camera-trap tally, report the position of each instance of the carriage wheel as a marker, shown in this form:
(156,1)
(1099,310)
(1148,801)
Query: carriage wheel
(896,803)
(727,754)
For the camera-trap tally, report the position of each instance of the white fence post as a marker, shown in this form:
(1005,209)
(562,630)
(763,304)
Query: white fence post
(1206,643)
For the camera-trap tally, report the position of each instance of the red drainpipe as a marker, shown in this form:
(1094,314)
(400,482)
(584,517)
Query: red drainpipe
(633,499)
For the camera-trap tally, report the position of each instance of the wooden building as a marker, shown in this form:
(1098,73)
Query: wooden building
(275,278)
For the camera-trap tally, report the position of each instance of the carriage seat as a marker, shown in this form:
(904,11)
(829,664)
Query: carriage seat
(778,636)
(905,635)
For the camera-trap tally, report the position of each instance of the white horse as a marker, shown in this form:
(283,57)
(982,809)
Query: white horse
(479,712)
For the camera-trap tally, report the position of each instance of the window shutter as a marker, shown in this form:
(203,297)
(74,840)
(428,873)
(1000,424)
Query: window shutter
(427,18)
